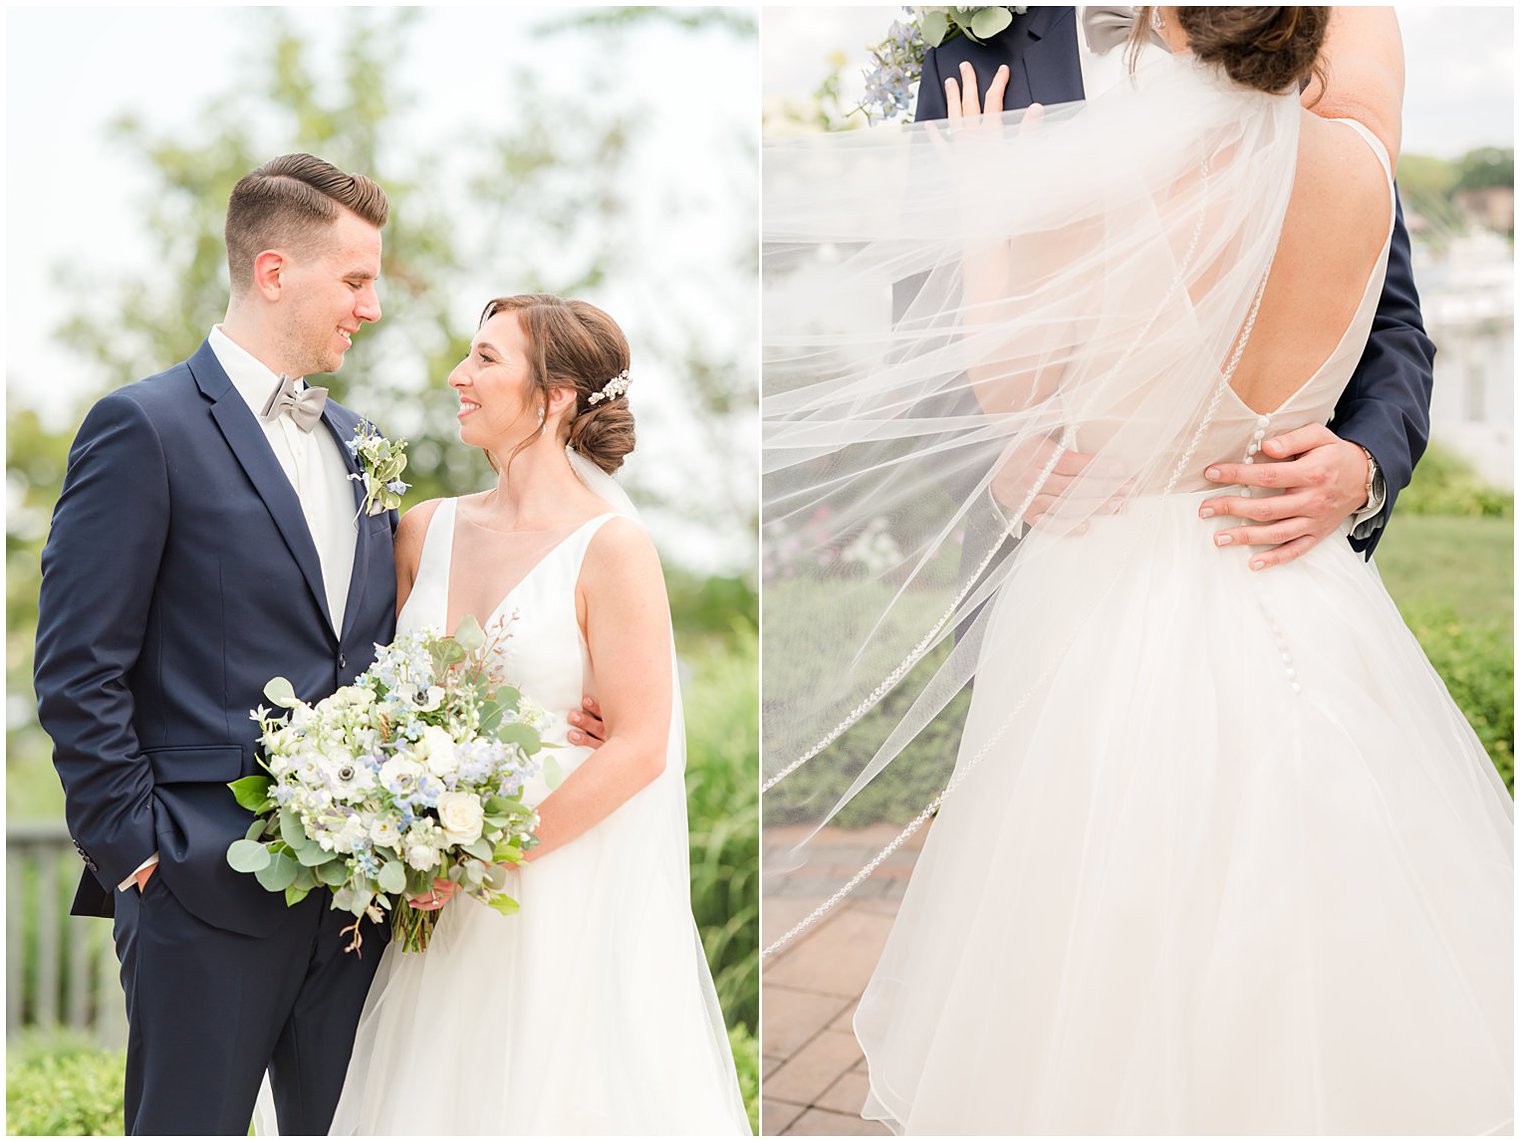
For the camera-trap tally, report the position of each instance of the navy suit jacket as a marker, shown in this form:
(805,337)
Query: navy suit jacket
(1386,406)
(178,578)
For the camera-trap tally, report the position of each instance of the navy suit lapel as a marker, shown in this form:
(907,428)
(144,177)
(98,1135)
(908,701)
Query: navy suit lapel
(341,423)
(246,438)
(1051,71)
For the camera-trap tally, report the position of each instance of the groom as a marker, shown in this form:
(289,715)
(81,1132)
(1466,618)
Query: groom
(207,539)
(1355,467)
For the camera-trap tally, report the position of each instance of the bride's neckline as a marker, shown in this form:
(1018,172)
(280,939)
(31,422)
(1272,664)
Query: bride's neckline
(566,528)
(532,570)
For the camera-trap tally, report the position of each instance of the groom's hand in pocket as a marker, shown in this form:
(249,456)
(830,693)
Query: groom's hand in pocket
(1322,478)
(586,725)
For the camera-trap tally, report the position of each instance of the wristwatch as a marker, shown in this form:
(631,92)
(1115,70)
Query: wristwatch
(1376,488)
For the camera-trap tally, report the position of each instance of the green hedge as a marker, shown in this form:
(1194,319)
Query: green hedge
(62,1085)
(722,766)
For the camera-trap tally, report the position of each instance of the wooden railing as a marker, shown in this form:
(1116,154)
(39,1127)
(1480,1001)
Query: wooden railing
(60,970)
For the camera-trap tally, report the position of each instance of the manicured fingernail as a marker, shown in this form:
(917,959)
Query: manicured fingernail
(1212,473)
(1224,539)
(575,735)
(575,718)
(1258,564)
(587,703)
(1205,513)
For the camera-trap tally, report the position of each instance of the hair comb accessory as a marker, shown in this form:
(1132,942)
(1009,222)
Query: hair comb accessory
(611,390)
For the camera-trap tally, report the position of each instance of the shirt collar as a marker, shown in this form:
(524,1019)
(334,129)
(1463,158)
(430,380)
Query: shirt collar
(253,379)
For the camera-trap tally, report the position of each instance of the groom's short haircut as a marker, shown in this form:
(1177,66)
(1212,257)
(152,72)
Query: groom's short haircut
(289,202)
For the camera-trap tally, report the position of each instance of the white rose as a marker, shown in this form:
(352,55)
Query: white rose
(438,747)
(461,817)
(421,857)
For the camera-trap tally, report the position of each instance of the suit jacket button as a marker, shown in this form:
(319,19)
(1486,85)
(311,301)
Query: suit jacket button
(342,662)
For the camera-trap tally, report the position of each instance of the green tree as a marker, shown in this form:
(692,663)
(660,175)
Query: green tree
(1486,167)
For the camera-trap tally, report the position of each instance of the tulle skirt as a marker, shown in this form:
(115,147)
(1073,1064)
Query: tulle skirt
(1238,865)
(589,1012)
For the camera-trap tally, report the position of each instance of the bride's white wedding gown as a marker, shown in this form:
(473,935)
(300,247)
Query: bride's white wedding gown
(591,1011)
(1239,865)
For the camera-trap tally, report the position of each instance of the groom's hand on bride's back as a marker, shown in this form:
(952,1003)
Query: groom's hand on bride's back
(586,724)
(1322,479)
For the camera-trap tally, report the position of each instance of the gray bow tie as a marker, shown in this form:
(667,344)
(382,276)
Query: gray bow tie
(1108,26)
(304,406)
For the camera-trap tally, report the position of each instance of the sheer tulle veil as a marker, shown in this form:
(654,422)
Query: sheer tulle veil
(953,316)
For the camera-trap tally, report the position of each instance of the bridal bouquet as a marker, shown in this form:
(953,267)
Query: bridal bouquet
(413,773)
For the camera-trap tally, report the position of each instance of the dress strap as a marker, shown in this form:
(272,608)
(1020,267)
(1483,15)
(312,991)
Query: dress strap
(1377,147)
(437,554)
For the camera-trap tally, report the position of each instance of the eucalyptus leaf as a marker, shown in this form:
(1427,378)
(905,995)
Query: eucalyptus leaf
(393,877)
(248,855)
(474,872)
(333,874)
(524,735)
(251,792)
(551,773)
(496,877)
(291,831)
(294,895)
(279,873)
(312,855)
(479,847)
(989,22)
(256,830)
(281,693)
(306,878)
(469,635)
(935,25)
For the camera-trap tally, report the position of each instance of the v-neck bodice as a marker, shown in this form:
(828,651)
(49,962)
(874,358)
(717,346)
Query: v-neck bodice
(545,654)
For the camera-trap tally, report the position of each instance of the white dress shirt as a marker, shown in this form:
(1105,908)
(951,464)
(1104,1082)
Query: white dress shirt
(314,466)
(1101,72)
(311,462)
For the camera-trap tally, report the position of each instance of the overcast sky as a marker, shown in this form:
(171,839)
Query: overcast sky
(1460,64)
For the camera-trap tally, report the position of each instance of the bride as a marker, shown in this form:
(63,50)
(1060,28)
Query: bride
(591,1011)
(1217,852)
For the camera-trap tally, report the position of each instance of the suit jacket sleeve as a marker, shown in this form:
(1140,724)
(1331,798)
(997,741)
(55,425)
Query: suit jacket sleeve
(1386,405)
(98,571)
(931,90)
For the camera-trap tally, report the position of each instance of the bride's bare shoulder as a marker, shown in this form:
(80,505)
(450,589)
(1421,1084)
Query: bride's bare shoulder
(621,560)
(1362,74)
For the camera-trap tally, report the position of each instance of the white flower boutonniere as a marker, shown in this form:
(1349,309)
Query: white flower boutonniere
(381,463)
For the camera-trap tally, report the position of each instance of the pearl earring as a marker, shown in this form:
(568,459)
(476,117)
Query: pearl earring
(541,425)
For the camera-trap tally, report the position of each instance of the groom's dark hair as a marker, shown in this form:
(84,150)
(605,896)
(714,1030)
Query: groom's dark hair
(290,202)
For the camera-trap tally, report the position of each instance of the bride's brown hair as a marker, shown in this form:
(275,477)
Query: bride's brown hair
(1264,48)
(573,344)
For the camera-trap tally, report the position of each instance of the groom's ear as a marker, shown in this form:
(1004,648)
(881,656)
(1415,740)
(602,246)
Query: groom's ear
(267,269)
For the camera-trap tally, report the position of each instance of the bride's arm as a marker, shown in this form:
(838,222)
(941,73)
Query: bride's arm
(1363,62)
(627,621)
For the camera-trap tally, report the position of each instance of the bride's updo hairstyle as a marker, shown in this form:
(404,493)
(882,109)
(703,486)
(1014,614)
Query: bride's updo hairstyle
(573,344)
(1264,48)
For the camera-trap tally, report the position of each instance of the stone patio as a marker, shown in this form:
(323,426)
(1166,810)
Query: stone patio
(813,1074)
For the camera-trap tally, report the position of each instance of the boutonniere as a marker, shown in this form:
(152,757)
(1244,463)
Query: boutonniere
(381,463)
(899,59)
